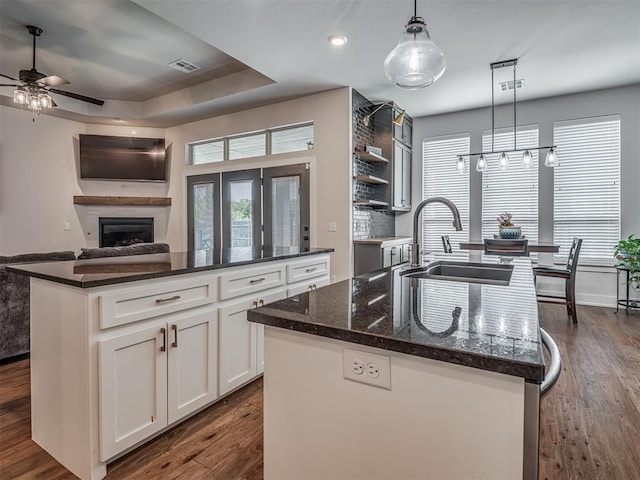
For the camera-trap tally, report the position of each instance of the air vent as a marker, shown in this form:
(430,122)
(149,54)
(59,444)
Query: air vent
(184,66)
(504,86)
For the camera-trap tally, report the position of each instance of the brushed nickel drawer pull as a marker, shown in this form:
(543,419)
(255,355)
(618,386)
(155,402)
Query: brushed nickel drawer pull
(255,304)
(312,269)
(174,327)
(257,280)
(169,299)
(261,302)
(163,331)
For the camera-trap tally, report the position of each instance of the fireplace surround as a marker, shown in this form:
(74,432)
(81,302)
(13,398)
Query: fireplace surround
(123,231)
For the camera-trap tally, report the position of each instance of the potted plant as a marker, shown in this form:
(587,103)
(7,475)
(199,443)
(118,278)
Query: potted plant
(628,254)
(507,229)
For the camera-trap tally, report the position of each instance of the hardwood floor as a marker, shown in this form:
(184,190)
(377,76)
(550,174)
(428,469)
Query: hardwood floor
(590,421)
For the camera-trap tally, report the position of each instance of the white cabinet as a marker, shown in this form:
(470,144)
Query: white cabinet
(308,286)
(152,376)
(240,343)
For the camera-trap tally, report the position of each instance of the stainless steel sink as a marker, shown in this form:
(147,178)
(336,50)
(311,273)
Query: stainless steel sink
(463,272)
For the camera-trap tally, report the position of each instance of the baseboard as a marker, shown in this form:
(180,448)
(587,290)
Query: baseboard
(15,358)
(587,300)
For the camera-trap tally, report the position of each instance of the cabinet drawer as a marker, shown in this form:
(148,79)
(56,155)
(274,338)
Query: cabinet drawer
(316,267)
(142,303)
(307,286)
(250,280)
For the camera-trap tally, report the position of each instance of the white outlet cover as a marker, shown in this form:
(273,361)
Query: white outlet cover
(370,360)
(333,227)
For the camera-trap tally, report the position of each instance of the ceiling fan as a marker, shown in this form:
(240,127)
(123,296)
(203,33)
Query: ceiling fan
(35,87)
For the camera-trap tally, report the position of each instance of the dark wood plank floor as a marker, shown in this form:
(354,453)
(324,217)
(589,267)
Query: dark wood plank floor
(590,421)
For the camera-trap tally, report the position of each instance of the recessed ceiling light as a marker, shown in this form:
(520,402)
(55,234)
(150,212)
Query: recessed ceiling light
(337,40)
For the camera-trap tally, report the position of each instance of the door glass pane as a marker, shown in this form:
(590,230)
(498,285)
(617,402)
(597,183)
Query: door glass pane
(285,199)
(203,224)
(241,217)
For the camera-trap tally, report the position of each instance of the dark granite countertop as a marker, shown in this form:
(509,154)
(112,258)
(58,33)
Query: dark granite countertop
(112,270)
(491,327)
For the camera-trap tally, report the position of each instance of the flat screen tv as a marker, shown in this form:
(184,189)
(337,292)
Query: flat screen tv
(122,158)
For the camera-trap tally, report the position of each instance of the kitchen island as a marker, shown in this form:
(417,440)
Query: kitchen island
(386,376)
(124,348)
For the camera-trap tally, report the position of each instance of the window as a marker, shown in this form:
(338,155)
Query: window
(208,152)
(293,138)
(514,190)
(441,178)
(254,145)
(586,202)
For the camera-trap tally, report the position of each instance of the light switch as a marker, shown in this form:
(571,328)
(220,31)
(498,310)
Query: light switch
(67,226)
(333,227)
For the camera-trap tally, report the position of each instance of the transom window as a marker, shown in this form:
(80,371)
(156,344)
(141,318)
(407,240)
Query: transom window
(294,138)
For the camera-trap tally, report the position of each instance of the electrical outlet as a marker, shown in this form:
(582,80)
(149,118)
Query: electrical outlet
(67,226)
(333,227)
(365,367)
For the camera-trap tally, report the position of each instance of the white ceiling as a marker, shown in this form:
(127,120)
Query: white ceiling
(255,52)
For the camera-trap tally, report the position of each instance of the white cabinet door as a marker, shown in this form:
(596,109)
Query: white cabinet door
(236,346)
(274,297)
(133,388)
(192,362)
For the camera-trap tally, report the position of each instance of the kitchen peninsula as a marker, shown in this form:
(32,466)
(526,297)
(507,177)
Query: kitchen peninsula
(123,348)
(387,376)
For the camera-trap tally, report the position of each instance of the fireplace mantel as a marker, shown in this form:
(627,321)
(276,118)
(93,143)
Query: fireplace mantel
(138,201)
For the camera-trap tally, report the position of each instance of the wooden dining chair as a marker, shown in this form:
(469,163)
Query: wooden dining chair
(512,248)
(446,244)
(569,275)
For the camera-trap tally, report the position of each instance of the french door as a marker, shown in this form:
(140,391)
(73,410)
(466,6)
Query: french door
(258,208)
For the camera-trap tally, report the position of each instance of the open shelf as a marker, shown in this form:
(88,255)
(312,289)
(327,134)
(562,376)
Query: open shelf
(370,156)
(140,201)
(371,179)
(371,203)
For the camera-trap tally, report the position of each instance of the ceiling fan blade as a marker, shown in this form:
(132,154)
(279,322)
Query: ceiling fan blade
(53,81)
(8,85)
(7,76)
(53,104)
(82,98)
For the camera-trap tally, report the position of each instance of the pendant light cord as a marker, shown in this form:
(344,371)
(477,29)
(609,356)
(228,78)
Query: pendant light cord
(493,124)
(515,133)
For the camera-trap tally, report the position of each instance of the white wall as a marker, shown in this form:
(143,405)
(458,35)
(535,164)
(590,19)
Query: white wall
(594,285)
(330,165)
(39,176)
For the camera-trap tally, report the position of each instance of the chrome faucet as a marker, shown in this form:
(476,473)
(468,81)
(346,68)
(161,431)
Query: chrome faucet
(415,247)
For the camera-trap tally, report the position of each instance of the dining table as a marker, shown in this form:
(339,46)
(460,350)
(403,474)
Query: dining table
(533,247)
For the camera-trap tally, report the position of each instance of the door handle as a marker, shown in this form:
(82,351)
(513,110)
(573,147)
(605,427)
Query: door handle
(163,331)
(174,327)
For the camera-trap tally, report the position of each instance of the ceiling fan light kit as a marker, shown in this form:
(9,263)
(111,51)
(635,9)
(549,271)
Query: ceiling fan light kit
(416,62)
(35,88)
(503,161)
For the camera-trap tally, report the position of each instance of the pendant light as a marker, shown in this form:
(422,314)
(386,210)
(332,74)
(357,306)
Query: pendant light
(503,161)
(416,62)
(462,165)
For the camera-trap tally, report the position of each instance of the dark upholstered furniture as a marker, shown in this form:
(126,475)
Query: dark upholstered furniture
(569,275)
(14,302)
(135,249)
(511,248)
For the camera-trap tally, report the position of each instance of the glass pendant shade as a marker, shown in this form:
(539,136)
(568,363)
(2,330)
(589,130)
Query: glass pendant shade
(552,158)
(44,100)
(34,103)
(527,159)
(417,61)
(481,165)
(461,166)
(21,97)
(503,161)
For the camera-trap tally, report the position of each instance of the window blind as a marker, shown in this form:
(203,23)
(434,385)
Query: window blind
(514,190)
(586,201)
(441,178)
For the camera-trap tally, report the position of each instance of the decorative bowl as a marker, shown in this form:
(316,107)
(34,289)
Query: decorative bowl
(510,233)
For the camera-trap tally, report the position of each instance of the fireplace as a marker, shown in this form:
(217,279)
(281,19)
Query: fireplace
(122,231)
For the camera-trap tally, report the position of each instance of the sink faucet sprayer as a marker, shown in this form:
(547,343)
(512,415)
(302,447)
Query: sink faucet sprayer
(415,247)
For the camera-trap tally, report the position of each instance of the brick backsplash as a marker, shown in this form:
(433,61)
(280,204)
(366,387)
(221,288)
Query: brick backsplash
(368,222)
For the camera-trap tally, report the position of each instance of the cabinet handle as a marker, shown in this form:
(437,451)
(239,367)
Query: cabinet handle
(174,327)
(163,331)
(261,302)
(169,299)
(257,280)
(310,287)
(314,286)
(255,304)
(309,270)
